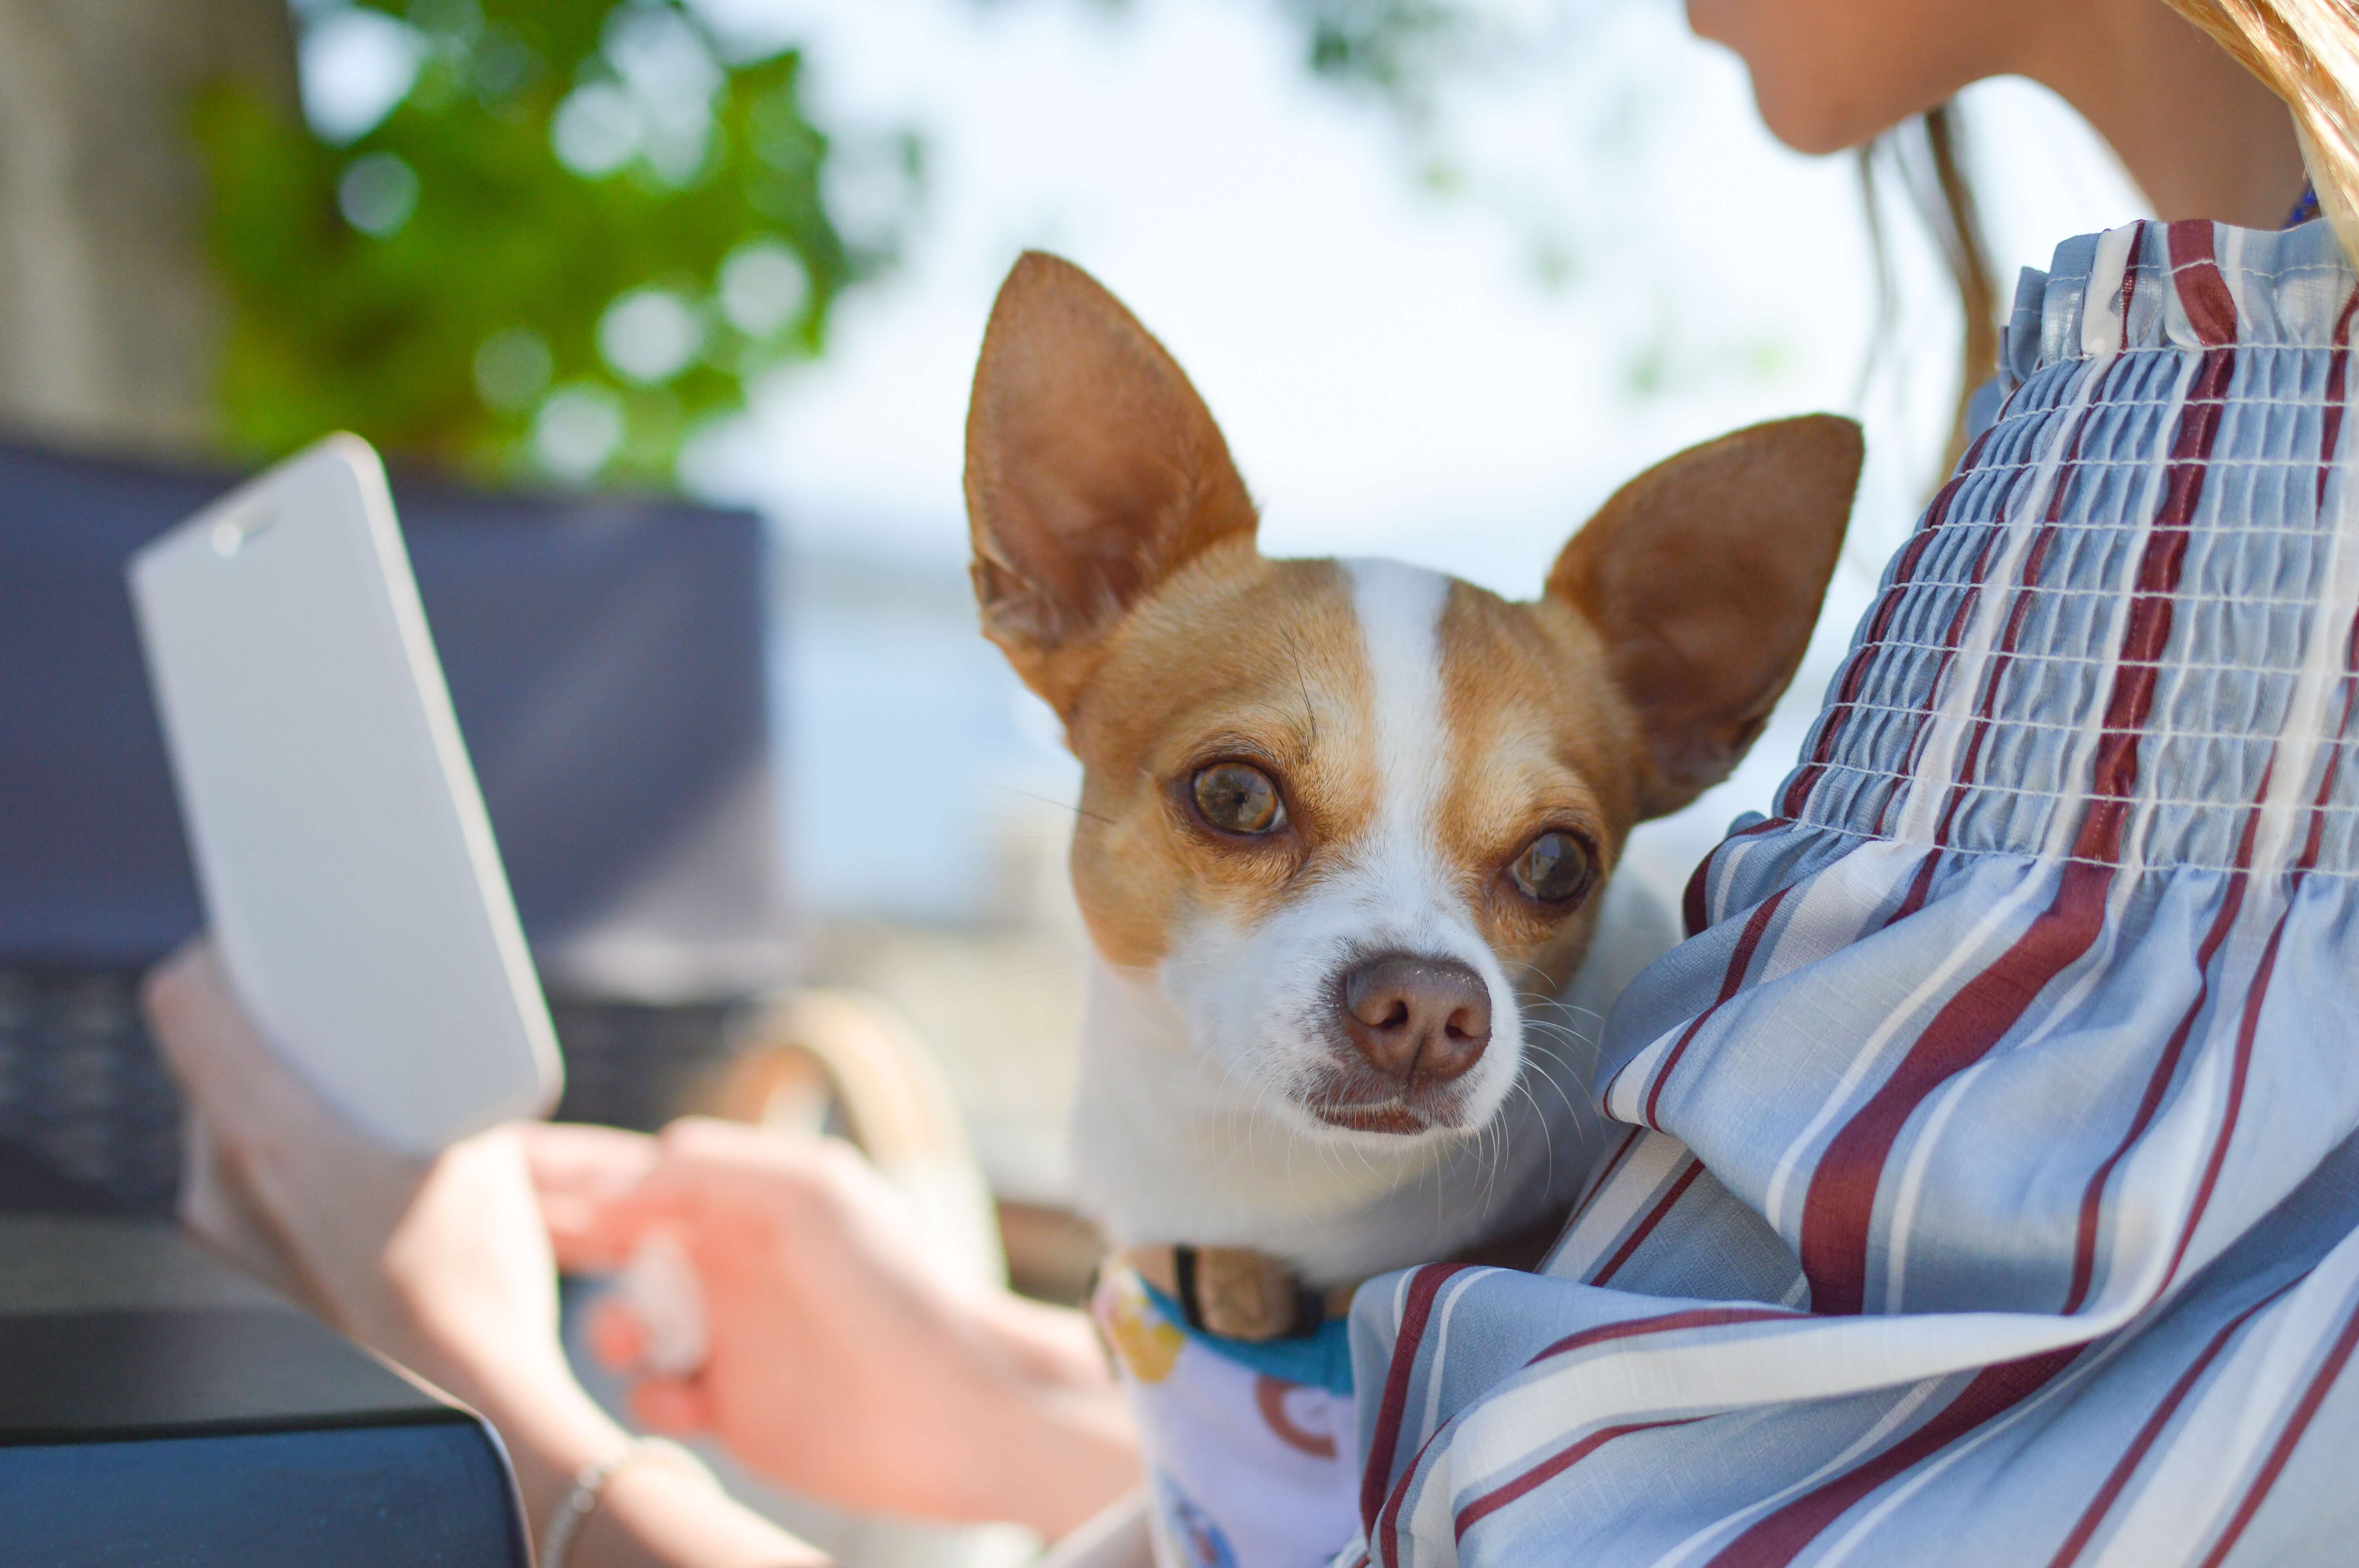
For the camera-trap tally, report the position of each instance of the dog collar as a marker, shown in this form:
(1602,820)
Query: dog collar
(1236,1293)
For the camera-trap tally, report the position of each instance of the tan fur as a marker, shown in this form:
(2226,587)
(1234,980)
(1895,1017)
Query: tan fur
(1236,657)
(1097,464)
(1704,574)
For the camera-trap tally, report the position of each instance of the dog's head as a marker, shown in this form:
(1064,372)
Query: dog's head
(1344,813)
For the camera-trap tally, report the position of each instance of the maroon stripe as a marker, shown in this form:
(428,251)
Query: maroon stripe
(1613,1163)
(1731,980)
(1423,1286)
(2249,1024)
(1879,626)
(1695,910)
(2247,1027)
(2282,1450)
(1388,1519)
(1547,1470)
(2166,1067)
(1645,1226)
(1955,632)
(1388,1522)
(2131,1457)
(1842,1196)
(1839,1208)
(1665,1323)
(1777,1539)
(2337,373)
(1695,903)
(2195,273)
(1920,888)
(1951,636)
(2035,562)
(2130,277)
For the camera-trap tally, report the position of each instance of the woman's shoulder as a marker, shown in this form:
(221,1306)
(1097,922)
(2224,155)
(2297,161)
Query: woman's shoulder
(2152,287)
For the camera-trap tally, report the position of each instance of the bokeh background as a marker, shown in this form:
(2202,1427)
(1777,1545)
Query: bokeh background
(1446,270)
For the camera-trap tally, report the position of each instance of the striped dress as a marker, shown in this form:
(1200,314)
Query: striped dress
(1990,1191)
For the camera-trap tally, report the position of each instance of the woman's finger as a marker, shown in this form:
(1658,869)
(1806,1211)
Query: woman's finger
(616,1336)
(217,1208)
(671,1407)
(571,1157)
(595,1235)
(579,1175)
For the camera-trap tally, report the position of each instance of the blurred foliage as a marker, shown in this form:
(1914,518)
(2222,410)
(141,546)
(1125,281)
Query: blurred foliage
(580,234)
(1431,67)
(1398,51)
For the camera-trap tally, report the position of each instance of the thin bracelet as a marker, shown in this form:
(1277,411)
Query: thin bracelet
(590,1484)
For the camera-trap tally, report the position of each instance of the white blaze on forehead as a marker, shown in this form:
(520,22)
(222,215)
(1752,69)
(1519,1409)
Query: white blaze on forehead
(1399,608)
(1260,998)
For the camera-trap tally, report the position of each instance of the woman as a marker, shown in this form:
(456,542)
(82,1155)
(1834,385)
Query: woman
(1987,1140)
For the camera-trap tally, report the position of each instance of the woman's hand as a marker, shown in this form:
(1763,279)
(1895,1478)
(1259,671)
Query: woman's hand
(441,1265)
(842,1362)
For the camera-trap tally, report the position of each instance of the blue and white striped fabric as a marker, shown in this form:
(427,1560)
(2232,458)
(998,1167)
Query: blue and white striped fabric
(1991,1194)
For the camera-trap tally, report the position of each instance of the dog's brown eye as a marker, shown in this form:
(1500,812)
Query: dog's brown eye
(1553,868)
(1236,798)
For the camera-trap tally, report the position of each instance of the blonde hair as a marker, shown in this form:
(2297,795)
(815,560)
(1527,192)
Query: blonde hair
(2307,51)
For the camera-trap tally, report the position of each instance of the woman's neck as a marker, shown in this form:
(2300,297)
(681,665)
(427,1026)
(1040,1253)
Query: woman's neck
(2201,137)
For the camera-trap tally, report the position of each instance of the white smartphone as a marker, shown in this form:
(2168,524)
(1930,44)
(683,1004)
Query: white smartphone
(348,869)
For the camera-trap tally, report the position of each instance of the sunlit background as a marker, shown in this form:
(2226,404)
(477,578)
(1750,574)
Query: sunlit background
(1439,316)
(1446,272)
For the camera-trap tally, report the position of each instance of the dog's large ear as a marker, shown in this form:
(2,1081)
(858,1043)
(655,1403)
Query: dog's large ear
(1704,575)
(1092,472)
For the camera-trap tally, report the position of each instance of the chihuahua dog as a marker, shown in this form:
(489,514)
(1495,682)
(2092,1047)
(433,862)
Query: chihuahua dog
(1343,832)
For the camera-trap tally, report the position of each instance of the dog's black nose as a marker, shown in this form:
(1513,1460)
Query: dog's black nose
(1417,1020)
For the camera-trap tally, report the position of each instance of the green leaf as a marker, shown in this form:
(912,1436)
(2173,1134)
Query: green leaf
(439,285)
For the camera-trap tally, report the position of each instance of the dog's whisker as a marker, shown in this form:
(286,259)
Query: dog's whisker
(1077,809)
(1302,683)
(1564,1032)
(1572,1107)
(1547,1138)
(1558,1005)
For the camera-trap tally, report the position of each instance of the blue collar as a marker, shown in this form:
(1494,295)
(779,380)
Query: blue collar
(1320,1360)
